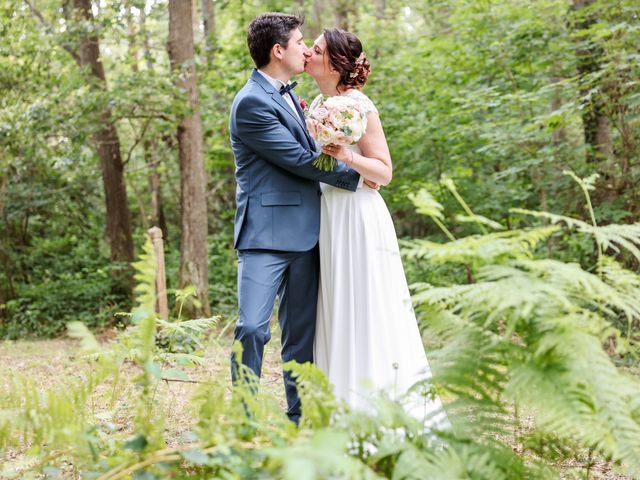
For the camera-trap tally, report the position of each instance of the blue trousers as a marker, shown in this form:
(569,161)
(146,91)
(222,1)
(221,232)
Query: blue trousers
(293,276)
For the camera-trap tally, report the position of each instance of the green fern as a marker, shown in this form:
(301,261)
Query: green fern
(481,249)
(316,393)
(529,332)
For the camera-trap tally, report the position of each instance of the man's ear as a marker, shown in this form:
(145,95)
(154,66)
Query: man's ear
(277,51)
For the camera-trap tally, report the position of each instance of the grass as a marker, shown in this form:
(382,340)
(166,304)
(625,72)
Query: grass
(47,362)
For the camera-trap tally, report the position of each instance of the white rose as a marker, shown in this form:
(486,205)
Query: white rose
(325,135)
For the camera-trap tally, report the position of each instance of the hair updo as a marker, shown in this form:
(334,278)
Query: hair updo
(347,57)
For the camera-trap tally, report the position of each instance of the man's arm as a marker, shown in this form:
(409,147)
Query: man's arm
(261,130)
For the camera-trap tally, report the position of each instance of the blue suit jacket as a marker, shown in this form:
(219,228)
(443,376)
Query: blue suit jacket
(277,192)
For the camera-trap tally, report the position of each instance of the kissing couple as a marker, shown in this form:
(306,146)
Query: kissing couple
(322,241)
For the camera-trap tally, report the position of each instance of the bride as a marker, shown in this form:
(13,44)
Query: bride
(367,337)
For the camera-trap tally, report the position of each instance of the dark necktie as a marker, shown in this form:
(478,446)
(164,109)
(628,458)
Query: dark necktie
(288,88)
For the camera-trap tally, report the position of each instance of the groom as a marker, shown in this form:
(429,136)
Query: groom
(278,200)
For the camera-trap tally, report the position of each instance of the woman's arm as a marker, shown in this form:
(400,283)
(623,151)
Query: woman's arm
(375,161)
(255,125)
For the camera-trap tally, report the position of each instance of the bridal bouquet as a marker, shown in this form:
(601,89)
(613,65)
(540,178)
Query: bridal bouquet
(339,120)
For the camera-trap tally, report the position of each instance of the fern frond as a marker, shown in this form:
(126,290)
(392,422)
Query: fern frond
(88,342)
(426,205)
(479,218)
(56,417)
(555,218)
(481,249)
(145,275)
(486,460)
(611,236)
(321,456)
(614,236)
(578,393)
(316,394)
(186,327)
(188,359)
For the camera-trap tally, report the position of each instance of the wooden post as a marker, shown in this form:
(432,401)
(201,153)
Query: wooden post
(162,306)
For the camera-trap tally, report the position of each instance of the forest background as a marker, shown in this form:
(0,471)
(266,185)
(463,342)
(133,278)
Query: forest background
(514,132)
(500,96)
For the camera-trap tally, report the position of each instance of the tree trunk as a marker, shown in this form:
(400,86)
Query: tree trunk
(209,24)
(133,53)
(195,29)
(108,149)
(380,8)
(151,147)
(157,209)
(315,25)
(193,241)
(7,290)
(559,135)
(341,14)
(594,117)
(131,34)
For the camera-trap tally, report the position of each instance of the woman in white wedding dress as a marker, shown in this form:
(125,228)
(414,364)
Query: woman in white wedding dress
(367,337)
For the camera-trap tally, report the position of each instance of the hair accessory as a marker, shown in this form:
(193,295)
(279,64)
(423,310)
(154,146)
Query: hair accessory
(359,61)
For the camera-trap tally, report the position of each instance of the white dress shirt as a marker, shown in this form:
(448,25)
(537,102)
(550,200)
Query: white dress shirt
(278,84)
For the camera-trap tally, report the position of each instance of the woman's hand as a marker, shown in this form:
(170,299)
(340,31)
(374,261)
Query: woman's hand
(372,185)
(373,160)
(338,152)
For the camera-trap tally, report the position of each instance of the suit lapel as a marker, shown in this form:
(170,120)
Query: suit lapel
(279,99)
(312,142)
(296,102)
(298,116)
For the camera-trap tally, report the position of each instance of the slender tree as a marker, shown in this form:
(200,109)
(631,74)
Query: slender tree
(209,25)
(381,5)
(156,215)
(193,241)
(342,9)
(315,25)
(7,290)
(107,143)
(589,55)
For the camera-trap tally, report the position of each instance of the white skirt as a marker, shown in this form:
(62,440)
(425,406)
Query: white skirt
(367,337)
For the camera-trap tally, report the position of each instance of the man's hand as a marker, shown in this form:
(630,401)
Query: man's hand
(370,184)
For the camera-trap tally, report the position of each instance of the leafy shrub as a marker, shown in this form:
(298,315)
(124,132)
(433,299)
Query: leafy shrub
(70,280)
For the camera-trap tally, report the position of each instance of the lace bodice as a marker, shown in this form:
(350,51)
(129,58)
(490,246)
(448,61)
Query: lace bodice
(362,99)
(356,95)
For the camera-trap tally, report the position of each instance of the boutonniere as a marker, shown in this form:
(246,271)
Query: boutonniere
(303,104)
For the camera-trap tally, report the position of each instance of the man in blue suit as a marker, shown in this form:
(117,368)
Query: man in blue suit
(278,200)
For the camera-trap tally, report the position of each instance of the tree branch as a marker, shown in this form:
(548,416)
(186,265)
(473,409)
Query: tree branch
(167,380)
(138,140)
(36,13)
(150,116)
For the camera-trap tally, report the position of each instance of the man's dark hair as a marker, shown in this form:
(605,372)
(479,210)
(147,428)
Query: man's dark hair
(268,29)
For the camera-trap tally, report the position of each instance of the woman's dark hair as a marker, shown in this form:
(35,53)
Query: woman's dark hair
(346,56)
(268,29)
